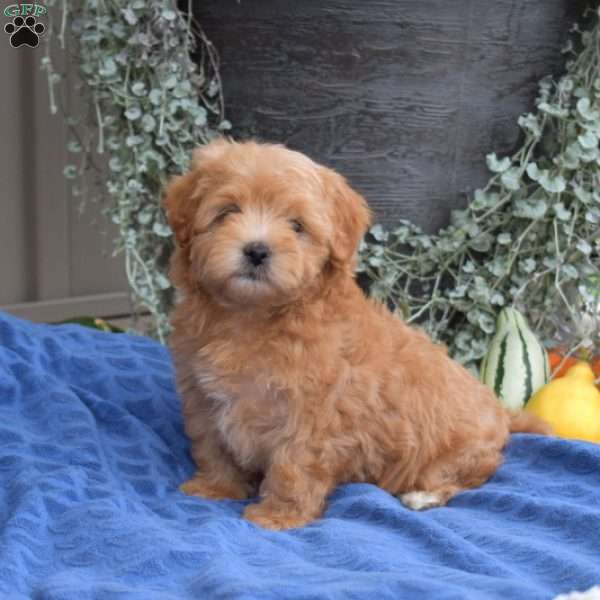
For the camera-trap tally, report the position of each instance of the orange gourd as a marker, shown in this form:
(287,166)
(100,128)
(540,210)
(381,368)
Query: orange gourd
(555,357)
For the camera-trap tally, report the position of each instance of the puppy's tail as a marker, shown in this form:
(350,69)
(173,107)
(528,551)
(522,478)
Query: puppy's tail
(523,422)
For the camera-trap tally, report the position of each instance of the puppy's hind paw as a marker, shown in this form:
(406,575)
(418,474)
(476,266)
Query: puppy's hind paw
(422,500)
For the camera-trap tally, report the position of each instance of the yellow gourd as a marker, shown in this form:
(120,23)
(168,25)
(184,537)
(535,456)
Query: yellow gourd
(571,404)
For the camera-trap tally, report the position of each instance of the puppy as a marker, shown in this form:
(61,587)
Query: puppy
(292,379)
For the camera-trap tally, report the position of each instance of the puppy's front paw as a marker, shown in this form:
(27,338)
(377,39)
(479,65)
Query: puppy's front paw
(205,488)
(271,519)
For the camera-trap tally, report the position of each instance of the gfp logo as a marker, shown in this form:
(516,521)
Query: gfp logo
(25,29)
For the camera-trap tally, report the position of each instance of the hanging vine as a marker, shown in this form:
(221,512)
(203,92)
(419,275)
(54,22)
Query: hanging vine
(146,105)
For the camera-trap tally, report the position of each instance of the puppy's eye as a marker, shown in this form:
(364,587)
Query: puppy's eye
(297,226)
(225,211)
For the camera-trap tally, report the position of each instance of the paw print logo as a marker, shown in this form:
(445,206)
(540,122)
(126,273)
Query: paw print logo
(24,31)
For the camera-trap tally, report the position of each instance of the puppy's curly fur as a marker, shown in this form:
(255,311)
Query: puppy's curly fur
(291,379)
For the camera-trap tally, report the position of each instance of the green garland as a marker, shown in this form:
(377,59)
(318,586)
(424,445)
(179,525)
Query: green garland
(531,237)
(151,105)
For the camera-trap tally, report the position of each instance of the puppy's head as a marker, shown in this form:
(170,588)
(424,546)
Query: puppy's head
(258,224)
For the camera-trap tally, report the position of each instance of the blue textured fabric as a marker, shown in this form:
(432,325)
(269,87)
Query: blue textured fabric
(92,451)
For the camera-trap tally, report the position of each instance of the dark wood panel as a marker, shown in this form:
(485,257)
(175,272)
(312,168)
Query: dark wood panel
(404,97)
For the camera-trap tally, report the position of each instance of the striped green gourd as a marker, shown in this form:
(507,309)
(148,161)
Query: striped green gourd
(516,364)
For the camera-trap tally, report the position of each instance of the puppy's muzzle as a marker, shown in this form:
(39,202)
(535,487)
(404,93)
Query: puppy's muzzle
(257,254)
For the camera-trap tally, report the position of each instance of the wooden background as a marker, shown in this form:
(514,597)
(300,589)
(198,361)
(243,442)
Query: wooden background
(55,262)
(404,97)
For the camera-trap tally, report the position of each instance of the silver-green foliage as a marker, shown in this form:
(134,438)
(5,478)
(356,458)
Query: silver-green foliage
(531,237)
(150,105)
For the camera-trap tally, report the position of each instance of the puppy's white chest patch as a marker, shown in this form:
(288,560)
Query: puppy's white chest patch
(250,417)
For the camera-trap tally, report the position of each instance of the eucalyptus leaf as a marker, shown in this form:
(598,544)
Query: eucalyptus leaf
(162,281)
(561,212)
(483,200)
(511,179)
(200,118)
(156,96)
(589,155)
(482,243)
(108,68)
(531,123)
(213,88)
(378,233)
(114,164)
(74,146)
(533,171)
(570,159)
(553,184)
(495,165)
(375,261)
(134,140)
(584,247)
(486,321)
(527,265)
(401,233)
(161,229)
(145,216)
(70,172)
(530,209)
(129,16)
(582,194)
(133,112)
(498,267)
(170,82)
(554,110)
(139,88)
(497,299)
(588,140)
(585,110)
(570,271)
(458,292)
(550,262)
(148,123)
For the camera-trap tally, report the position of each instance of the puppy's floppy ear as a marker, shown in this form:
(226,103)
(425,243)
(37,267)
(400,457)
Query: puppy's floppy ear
(350,217)
(184,192)
(181,204)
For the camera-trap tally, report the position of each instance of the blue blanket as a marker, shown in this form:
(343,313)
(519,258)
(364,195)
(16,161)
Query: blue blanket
(92,451)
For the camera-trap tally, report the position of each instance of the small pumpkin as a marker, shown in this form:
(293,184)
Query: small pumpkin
(571,404)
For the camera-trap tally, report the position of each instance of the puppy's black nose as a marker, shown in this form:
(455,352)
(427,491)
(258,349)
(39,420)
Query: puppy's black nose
(256,253)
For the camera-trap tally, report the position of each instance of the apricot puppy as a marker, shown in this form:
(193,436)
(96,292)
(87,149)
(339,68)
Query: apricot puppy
(290,378)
